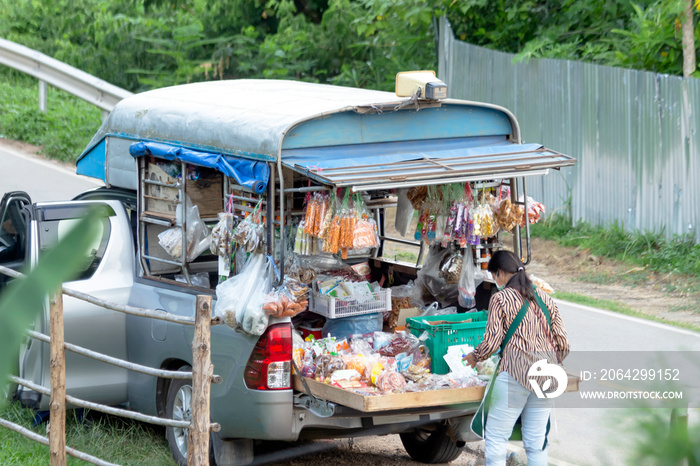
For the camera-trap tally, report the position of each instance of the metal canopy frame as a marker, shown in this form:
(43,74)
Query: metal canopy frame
(407,173)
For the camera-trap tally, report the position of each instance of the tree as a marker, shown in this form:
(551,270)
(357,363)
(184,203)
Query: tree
(688,40)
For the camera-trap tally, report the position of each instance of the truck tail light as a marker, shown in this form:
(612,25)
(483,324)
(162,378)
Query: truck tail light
(269,366)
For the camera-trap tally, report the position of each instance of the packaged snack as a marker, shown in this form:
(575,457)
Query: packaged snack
(390,382)
(451,267)
(484,223)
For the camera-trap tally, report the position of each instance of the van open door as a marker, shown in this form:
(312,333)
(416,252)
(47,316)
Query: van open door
(105,273)
(14,222)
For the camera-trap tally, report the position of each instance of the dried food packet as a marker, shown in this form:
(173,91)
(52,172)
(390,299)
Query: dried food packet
(323,208)
(312,209)
(332,240)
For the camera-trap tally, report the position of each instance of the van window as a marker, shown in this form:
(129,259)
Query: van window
(13,228)
(54,228)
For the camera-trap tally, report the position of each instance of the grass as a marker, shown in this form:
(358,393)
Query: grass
(652,250)
(62,132)
(615,306)
(112,439)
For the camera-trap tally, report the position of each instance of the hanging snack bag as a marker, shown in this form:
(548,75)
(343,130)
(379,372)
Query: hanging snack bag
(250,233)
(332,239)
(312,212)
(323,202)
(484,224)
(451,267)
(534,211)
(507,214)
(221,237)
(467,281)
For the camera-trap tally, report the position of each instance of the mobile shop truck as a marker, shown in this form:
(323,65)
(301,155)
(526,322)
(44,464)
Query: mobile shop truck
(248,159)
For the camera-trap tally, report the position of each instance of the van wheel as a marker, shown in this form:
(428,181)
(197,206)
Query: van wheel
(430,445)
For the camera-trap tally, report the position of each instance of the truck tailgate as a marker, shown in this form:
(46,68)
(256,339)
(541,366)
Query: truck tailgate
(394,401)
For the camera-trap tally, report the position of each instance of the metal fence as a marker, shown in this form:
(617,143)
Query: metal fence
(65,77)
(634,133)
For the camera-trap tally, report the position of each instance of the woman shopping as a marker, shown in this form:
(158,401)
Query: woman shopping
(526,324)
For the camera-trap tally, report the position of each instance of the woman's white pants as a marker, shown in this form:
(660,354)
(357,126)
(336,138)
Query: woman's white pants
(509,401)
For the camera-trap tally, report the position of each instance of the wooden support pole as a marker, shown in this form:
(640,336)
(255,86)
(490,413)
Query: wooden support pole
(202,371)
(57,424)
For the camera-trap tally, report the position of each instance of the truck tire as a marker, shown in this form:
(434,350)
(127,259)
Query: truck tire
(431,446)
(178,407)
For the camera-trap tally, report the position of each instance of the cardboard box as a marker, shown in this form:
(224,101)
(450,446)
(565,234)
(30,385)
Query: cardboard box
(405,314)
(161,199)
(207,192)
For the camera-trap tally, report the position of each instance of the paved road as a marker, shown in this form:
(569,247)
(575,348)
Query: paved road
(589,436)
(585,436)
(42,180)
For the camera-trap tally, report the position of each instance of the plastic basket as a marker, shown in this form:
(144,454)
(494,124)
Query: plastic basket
(333,308)
(444,335)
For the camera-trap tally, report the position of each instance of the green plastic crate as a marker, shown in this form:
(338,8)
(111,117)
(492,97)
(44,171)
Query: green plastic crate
(442,336)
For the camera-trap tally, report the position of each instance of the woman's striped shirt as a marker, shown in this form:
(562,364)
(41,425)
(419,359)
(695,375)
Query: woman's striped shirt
(530,342)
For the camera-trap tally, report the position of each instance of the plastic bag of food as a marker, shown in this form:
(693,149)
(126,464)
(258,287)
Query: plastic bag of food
(221,241)
(289,300)
(331,242)
(250,233)
(326,364)
(417,195)
(429,277)
(365,234)
(197,235)
(484,224)
(390,382)
(467,281)
(534,211)
(401,342)
(241,298)
(451,266)
(541,284)
(435,310)
(312,215)
(404,212)
(507,214)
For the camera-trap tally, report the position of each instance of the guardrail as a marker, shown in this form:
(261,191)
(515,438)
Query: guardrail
(60,75)
(201,375)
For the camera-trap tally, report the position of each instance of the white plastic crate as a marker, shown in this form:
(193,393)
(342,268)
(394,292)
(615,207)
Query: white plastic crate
(332,308)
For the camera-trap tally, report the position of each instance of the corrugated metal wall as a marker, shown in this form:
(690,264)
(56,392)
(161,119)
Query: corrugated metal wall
(634,133)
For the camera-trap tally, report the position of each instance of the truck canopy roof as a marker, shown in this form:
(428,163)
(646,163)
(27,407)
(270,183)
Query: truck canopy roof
(337,135)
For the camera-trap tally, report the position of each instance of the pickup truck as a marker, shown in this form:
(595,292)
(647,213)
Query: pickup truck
(250,140)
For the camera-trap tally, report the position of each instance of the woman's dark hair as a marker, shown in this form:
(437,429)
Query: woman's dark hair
(510,263)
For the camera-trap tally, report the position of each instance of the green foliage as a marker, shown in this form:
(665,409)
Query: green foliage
(643,35)
(116,440)
(21,301)
(63,131)
(650,249)
(661,442)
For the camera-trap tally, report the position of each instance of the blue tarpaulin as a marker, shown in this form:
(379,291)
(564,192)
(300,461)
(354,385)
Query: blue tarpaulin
(252,174)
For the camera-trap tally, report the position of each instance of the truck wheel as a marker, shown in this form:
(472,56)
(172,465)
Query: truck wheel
(431,446)
(178,407)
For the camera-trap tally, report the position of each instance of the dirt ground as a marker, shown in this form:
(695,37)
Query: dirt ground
(578,271)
